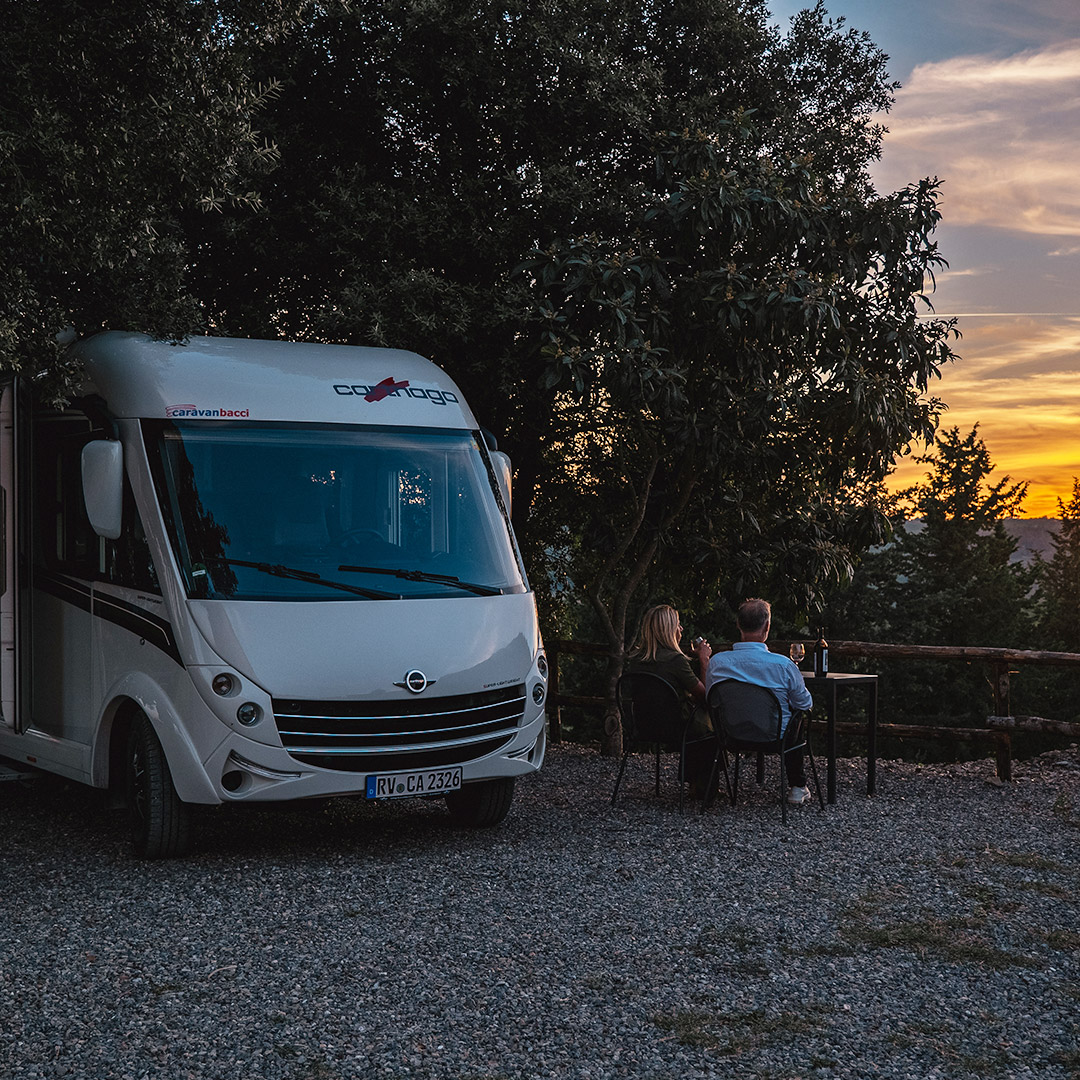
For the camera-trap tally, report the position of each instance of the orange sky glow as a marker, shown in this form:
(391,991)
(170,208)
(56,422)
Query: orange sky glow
(990,103)
(999,130)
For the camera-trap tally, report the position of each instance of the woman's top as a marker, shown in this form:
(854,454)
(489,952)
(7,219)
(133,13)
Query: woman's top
(669,664)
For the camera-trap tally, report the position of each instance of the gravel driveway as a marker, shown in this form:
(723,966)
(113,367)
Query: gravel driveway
(932,931)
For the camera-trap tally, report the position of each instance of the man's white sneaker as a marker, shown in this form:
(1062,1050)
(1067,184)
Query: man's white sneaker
(798,795)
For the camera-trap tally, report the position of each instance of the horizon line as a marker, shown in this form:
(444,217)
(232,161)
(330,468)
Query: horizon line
(1003,315)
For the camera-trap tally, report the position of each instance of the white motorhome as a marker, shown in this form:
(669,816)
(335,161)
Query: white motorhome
(240,570)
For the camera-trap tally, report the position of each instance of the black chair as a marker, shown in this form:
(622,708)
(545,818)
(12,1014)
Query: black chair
(653,712)
(748,718)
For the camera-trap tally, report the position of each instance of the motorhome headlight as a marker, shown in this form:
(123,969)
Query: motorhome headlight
(541,665)
(224,684)
(249,713)
(538,694)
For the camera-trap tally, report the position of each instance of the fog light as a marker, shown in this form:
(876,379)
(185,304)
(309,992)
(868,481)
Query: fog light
(223,684)
(232,780)
(249,713)
(538,693)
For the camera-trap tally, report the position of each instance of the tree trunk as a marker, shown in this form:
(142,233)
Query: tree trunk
(611,744)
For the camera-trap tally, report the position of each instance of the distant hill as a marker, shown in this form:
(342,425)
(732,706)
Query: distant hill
(1032,536)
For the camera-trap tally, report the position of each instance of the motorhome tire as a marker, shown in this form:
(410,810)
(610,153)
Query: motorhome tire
(160,822)
(482,804)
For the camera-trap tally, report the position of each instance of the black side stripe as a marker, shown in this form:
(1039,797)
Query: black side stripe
(151,628)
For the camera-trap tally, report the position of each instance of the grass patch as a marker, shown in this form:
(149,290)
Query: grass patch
(1047,888)
(713,942)
(1027,860)
(605,984)
(691,1027)
(826,948)
(936,1037)
(1065,940)
(734,1033)
(983,894)
(952,940)
(996,1063)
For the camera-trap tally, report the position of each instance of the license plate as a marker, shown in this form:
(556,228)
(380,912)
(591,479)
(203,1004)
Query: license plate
(421,782)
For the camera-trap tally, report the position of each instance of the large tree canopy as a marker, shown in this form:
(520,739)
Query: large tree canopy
(642,236)
(736,369)
(428,148)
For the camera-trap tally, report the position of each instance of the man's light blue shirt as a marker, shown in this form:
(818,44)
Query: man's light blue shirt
(752,662)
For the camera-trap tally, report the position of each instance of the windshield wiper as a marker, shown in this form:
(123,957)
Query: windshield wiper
(422,575)
(277,570)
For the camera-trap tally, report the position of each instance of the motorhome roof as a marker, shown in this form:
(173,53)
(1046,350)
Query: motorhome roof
(214,378)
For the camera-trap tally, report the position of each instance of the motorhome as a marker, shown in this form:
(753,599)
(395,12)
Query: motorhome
(237,571)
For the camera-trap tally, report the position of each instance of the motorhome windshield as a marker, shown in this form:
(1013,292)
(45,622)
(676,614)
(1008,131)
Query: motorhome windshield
(298,512)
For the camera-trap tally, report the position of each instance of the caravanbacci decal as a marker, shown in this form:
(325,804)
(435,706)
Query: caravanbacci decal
(393,389)
(174,411)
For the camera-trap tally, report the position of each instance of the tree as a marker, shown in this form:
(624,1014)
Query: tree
(961,587)
(947,578)
(643,238)
(1061,579)
(426,148)
(116,121)
(737,366)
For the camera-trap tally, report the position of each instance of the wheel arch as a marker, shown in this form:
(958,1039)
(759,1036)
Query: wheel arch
(138,694)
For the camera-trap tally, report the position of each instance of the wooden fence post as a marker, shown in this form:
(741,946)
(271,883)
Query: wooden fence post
(1000,685)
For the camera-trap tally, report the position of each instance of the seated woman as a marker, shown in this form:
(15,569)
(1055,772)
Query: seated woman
(657,650)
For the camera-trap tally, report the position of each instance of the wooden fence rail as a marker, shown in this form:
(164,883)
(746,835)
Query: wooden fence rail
(1001,662)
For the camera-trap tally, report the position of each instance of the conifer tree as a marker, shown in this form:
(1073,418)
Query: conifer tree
(1061,580)
(947,578)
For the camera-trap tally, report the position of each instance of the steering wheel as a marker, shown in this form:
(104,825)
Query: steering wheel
(352,536)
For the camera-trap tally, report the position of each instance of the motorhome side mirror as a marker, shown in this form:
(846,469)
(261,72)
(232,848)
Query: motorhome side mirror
(103,486)
(501,463)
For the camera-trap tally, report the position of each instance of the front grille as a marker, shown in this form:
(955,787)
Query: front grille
(388,736)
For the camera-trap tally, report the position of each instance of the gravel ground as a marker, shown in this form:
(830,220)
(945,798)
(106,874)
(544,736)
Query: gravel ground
(932,931)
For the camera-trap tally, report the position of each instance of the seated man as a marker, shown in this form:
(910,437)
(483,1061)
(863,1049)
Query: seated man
(751,661)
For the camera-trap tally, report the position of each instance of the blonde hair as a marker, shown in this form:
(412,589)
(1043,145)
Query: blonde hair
(659,630)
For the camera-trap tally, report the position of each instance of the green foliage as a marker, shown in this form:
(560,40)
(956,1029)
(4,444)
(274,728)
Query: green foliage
(117,120)
(960,587)
(641,236)
(945,579)
(427,148)
(1052,691)
(736,371)
(1061,580)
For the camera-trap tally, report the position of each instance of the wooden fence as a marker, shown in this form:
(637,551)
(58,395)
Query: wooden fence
(1002,663)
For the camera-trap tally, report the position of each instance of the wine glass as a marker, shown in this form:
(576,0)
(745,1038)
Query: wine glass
(797,652)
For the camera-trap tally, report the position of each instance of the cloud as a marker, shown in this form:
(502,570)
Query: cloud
(1009,24)
(1000,132)
(965,272)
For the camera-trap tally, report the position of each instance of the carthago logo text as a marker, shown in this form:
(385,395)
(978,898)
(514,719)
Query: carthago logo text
(392,388)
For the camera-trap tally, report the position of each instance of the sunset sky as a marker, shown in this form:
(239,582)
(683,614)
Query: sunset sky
(990,103)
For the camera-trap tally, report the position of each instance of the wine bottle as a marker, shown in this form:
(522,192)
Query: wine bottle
(821,654)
